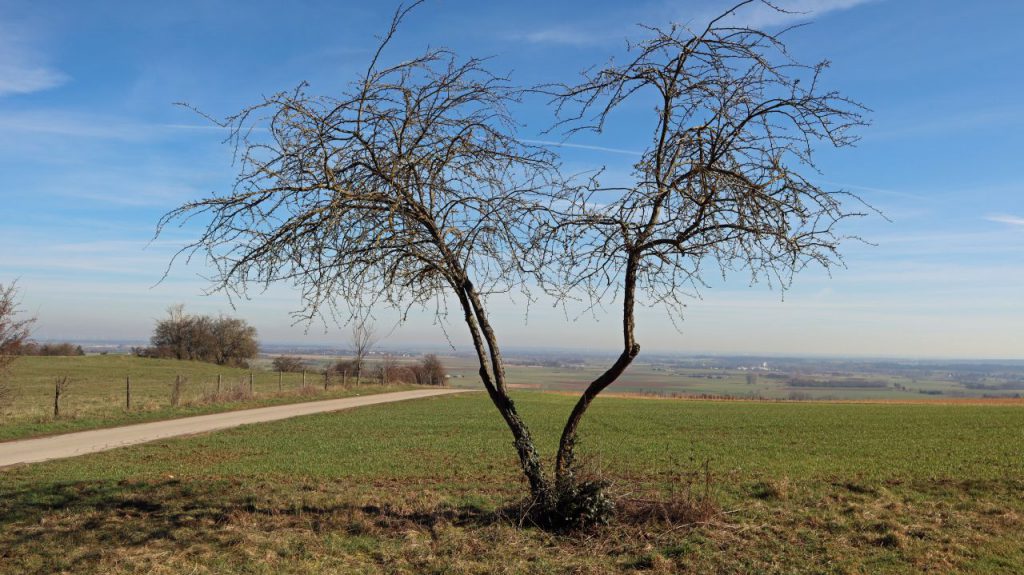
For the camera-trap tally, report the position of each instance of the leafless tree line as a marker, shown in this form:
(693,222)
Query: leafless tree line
(221,340)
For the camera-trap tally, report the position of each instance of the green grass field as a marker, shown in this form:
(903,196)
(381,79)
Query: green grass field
(96,395)
(418,487)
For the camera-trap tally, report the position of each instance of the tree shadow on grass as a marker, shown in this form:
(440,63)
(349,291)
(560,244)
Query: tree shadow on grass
(55,526)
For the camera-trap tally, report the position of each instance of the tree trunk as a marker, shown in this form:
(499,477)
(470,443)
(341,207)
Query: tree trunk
(489,357)
(566,446)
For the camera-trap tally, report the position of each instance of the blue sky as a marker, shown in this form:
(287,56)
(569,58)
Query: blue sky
(93,151)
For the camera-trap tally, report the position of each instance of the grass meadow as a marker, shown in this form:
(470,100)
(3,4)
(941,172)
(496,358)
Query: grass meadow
(425,487)
(96,393)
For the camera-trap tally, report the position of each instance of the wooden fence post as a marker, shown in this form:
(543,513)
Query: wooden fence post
(218,382)
(250,383)
(128,393)
(280,381)
(303,378)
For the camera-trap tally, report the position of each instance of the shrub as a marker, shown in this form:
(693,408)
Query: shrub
(52,349)
(288,364)
(431,371)
(240,392)
(222,340)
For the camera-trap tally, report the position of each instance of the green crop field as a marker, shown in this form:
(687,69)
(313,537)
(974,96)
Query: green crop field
(423,487)
(96,394)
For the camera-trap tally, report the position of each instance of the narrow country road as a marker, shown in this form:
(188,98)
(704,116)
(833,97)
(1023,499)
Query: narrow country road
(82,442)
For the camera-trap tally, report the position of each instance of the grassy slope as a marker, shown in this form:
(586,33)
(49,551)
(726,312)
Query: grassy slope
(800,488)
(97,392)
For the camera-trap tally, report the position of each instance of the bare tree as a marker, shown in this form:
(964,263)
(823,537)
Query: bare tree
(412,187)
(431,371)
(14,334)
(722,186)
(407,189)
(61,386)
(222,340)
(387,369)
(363,339)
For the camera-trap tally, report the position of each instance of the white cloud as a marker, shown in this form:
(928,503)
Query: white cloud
(563,35)
(22,69)
(760,14)
(757,14)
(61,123)
(1006,219)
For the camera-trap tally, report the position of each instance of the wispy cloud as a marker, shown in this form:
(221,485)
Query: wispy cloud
(557,144)
(1006,219)
(787,12)
(570,36)
(756,15)
(62,123)
(22,68)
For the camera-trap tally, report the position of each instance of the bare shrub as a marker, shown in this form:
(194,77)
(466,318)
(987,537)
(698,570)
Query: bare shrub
(64,349)
(344,369)
(691,503)
(14,334)
(307,391)
(239,392)
(431,371)
(222,340)
(288,364)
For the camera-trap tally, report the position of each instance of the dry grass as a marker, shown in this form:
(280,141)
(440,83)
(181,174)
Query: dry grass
(215,525)
(239,392)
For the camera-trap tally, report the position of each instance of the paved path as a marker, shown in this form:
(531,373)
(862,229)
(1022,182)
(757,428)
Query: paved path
(82,442)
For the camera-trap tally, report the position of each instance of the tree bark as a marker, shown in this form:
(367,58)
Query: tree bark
(567,444)
(489,358)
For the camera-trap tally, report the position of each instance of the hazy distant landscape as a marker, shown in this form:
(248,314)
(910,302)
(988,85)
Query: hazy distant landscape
(731,377)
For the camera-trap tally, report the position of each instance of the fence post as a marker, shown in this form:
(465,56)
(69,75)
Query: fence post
(176,391)
(250,382)
(280,381)
(327,379)
(218,382)
(128,393)
(303,378)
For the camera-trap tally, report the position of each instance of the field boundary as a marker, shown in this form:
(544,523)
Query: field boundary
(25,451)
(979,401)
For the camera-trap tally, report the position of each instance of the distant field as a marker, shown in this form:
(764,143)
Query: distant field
(414,488)
(653,378)
(96,393)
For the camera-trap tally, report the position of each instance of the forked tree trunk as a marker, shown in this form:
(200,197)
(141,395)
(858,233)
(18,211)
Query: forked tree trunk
(492,373)
(565,457)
